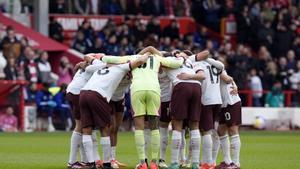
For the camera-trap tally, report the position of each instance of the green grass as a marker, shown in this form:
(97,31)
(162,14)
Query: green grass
(260,150)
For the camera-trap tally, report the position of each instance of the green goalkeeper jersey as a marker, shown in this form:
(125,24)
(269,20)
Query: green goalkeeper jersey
(145,77)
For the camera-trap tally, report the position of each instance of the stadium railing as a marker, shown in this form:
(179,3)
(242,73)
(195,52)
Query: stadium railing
(249,96)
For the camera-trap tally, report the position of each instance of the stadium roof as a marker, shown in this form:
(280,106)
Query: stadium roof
(35,39)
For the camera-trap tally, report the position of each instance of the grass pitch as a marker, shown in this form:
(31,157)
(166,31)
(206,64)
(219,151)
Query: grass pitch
(260,150)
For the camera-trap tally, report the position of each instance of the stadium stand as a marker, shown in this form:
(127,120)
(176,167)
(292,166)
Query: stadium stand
(265,49)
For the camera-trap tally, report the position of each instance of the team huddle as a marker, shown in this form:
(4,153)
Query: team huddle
(191,91)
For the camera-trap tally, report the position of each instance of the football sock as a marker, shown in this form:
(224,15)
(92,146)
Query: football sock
(215,145)
(225,147)
(95,146)
(113,152)
(155,140)
(88,147)
(182,146)
(105,143)
(207,149)
(195,145)
(140,144)
(163,142)
(176,142)
(236,146)
(147,135)
(83,156)
(76,140)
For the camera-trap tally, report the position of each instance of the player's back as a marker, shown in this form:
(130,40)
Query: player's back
(211,93)
(145,77)
(227,97)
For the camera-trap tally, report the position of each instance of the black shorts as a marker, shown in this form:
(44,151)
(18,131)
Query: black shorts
(165,112)
(94,109)
(210,114)
(117,106)
(231,115)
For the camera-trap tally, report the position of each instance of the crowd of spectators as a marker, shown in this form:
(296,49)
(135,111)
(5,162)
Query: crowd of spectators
(267,51)
(20,61)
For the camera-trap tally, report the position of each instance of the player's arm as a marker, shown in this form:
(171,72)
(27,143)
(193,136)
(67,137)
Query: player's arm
(225,77)
(117,59)
(200,75)
(200,56)
(139,61)
(215,63)
(171,62)
(95,65)
(152,50)
(234,88)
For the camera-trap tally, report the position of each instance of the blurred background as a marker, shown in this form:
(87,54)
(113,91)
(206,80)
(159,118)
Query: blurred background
(41,41)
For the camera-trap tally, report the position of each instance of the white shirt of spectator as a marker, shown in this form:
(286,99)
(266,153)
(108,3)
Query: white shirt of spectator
(295,80)
(82,76)
(187,67)
(227,98)
(106,80)
(255,84)
(165,87)
(211,93)
(122,89)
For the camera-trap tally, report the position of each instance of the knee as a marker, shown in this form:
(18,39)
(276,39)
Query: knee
(233,130)
(153,123)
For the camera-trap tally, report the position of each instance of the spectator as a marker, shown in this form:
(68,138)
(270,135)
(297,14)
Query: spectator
(65,71)
(45,106)
(243,23)
(256,87)
(283,37)
(87,30)
(112,47)
(98,47)
(63,107)
(46,75)
(81,44)
(275,98)
(112,7)
(10,70)
(270,75)
(283,72)
(56,30)
(28,65)
(172,30)
(296,47)
(154,7)
(126,47)
(3,64)
(153,27)
(265,35)
(10,44)
(82,7)
(8,121)
(295,77)
(58,7)
(291,62)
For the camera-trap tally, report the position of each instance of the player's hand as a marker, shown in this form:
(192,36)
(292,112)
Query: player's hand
(144,57)
(184,76)
(99,55)
(234,90)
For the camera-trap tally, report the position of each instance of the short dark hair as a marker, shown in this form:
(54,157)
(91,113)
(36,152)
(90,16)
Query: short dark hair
(187,52)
